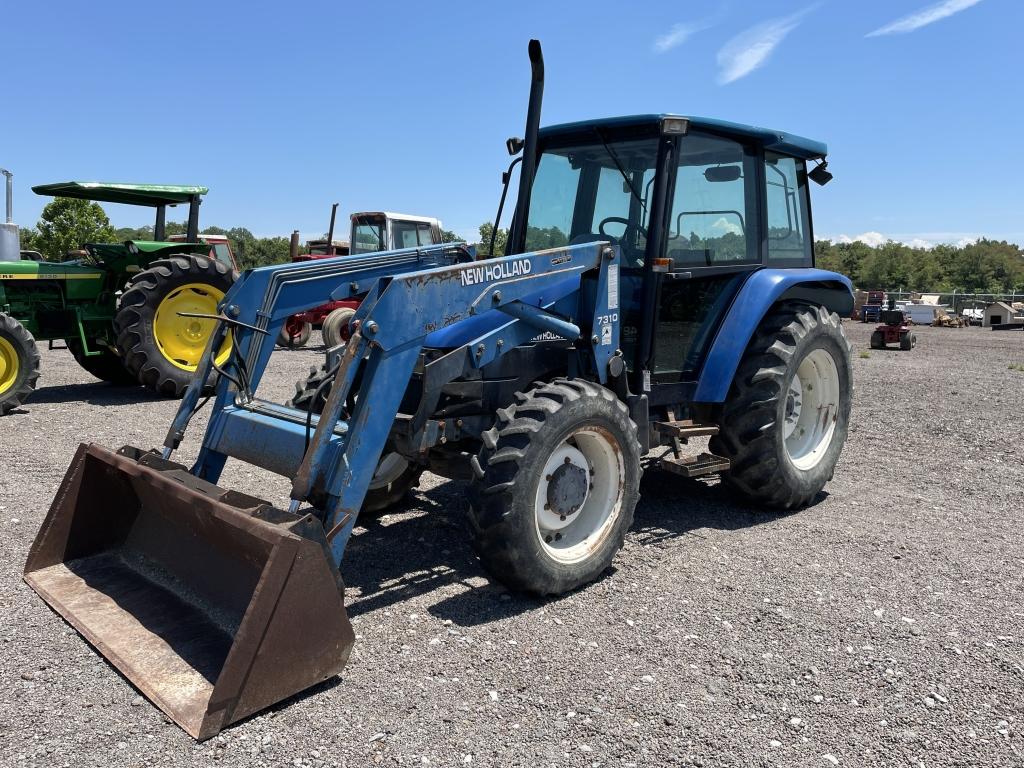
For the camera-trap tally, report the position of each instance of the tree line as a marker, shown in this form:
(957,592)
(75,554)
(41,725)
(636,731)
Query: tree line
(66,224)
(986,266)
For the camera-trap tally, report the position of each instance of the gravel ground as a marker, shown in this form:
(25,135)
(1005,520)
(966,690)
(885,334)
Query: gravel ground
(882,626)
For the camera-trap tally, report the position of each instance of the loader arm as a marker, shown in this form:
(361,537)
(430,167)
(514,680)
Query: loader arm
(483,308)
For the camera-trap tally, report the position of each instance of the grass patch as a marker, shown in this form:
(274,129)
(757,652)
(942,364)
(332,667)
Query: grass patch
(1016,367)
(864,354)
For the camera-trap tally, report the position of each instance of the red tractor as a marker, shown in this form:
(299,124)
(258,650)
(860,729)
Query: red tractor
(893,330)
(370,231)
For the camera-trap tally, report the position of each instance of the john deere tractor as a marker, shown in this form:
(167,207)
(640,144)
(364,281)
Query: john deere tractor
(128,312)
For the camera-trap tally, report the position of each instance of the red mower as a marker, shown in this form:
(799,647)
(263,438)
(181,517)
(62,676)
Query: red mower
(893,330)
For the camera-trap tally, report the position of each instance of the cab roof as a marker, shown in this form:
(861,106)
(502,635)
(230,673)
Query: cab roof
(128,194)
(776,141)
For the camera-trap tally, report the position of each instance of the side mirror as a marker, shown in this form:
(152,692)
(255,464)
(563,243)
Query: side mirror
(722,173)
(819,175)
(514,145)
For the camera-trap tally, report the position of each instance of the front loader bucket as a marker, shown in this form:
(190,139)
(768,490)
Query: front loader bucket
(214,604)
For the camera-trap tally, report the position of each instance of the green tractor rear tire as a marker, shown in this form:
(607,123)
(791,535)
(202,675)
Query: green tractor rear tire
(19,364)
(106,366)
(395,475)
(161,348)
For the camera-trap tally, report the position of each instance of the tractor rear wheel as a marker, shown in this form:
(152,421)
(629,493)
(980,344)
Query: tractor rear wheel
(294,334)
(19,364)
(335,327)
(558,478)
(908,340)
(106,366)
(161,348)
(877,340)
(395,475)
(785,422)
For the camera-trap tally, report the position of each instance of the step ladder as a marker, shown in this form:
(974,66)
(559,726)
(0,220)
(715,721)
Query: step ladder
(680,431)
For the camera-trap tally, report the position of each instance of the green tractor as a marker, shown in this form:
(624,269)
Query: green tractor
(125,310)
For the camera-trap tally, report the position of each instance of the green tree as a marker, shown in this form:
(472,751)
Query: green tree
(486,230)
(447,236)
(67,224)
(29,236)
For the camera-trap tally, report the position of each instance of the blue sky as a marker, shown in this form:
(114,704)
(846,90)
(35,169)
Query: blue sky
(282,109)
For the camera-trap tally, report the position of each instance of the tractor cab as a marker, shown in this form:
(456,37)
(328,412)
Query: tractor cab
(220,248)
(374,231)
(725,200)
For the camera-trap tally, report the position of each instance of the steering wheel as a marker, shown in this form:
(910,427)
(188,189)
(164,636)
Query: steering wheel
(619,220)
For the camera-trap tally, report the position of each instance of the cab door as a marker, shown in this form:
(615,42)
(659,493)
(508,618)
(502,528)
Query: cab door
(714,240)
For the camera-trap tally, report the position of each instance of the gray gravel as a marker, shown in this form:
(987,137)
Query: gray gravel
(883,626)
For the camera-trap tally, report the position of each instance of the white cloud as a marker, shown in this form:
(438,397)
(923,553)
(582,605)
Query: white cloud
(873,239)
(914,240)
(724,227)
(678,35)
(751,48)
(923,17)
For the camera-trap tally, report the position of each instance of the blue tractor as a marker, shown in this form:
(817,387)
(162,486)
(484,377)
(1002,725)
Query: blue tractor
(658,285)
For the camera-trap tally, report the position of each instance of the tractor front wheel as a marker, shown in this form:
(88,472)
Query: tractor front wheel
(335,327)
(19,364)
(294,333)
(908,340)
(106,366)
(395,475)
(785,422)
(558,478)
(161,347)
(877,340)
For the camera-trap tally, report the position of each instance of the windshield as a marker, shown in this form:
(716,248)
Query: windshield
(598,190)
(368,236)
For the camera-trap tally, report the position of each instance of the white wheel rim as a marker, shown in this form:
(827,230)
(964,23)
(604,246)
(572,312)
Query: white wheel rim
(572,536)
(390,468)
(811,409)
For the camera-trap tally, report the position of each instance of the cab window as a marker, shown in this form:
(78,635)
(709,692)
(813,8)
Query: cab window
(404,233)
(222,253)
(426,236)
(367,237)
(789,239)
(714,207)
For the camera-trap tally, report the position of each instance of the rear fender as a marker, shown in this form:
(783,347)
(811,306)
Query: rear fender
(759,293)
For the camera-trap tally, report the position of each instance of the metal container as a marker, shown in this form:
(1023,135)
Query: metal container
(10,242)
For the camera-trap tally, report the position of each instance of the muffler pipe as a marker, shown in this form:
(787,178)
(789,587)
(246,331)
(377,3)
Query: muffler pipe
(517,238)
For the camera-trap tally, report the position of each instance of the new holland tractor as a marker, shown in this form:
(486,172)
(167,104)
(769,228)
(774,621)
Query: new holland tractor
(542,378)
(122,308)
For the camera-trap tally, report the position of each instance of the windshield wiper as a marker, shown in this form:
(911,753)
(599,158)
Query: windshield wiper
(618,164)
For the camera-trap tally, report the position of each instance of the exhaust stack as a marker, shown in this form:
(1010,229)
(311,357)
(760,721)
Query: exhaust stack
(10,242)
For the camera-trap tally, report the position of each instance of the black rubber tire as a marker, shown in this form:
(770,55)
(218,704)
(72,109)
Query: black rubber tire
(515,450)
(334,324)
(107,366)
(286,341)
(751,425)
(28,363)
(134,320)
(380,500)
(877,340)
(908,341)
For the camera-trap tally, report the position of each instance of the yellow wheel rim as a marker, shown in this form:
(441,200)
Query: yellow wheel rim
(9,365)
(182,340)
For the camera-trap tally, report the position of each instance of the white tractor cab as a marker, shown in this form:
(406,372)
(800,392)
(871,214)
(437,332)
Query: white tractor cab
(386,231)
(220,248)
